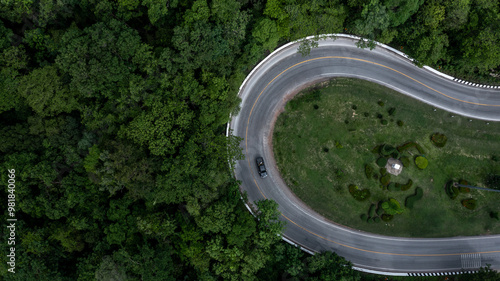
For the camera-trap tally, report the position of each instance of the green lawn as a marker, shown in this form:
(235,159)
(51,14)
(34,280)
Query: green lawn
(322,145)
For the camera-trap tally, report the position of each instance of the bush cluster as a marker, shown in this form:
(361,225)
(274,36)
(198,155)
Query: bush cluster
(385,180)
(410,200)
(421,162)
(393,187)
(408,145)
(439,140)
(381,103)
(380,210)
(406,186)
(463,189)
(400,123)
(469,203)
(387,149)
(391,111)
(392,207)
(371,210)
(372,216)
(359,194)
(383,122)
(451,190)
(383,171)
(381,162)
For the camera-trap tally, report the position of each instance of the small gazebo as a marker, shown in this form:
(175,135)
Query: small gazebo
(394,166)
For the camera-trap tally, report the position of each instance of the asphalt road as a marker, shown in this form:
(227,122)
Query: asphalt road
(282,75)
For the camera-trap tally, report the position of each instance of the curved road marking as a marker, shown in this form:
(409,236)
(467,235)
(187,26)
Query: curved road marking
(315,234)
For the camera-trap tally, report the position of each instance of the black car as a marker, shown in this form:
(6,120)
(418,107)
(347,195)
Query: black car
(261,167)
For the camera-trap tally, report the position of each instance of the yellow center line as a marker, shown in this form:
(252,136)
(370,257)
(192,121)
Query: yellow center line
(317,235)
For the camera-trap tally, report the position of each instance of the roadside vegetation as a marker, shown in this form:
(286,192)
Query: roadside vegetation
(113,114)
(332,147)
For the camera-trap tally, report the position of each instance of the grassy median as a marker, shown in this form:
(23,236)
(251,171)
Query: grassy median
(326,137)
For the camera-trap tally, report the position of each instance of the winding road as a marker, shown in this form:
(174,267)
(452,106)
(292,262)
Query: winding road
(283,74)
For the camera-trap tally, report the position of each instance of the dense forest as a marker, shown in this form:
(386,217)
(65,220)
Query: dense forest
(113,113)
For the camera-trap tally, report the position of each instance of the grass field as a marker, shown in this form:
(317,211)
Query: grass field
(323,141)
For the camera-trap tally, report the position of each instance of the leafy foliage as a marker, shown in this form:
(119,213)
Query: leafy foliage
(382,161)
(439,140)
(421,162)
(359,194)
(113,113)
(469,203)
(392,207)
(410,200)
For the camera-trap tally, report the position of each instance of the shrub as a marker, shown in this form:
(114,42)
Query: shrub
(385,180)
(376,219)
(346,121)
(383,171)
(451,190)
(380,116)
(495,158)
(387,217)
(381,103)
(387,149)
(375,176)
(464,189)
(421,162)
(325,149)
(381,162)
(494,215)
(371,210)
(469,203)
(410,200)
(315,106)
(392,187)
(391,111)
(406,161)
(395,154)
(369,171)
(383,122)
(407,186)
(369,220)
(354,107)
(364,217)
(408,145)
(366,114)
(400,123)
(380,210)
(359,194)
(392,207)
(439,140)
(338,145)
